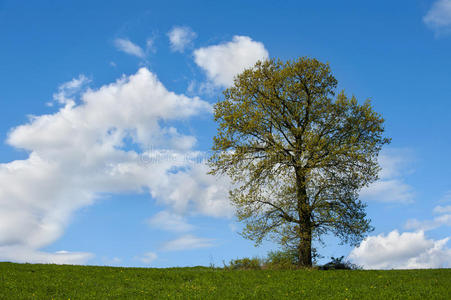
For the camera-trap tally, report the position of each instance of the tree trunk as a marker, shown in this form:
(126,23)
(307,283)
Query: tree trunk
(305,246)
(305,224)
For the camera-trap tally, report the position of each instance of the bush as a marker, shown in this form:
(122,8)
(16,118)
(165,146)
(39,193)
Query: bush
(245,264)
(338,263)
(287,259)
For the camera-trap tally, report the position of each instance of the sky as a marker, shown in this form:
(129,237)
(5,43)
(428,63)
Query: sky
(106,124)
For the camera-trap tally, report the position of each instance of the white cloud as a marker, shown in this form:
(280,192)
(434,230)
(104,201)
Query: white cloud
(80,152)
(187,242)
(388,191)
(438,18)
(442,209)
(169,221)
(128,47)
(195,191)
(443,220)
(391,186)
(148,258)
(68,90)
(409,250)
(224,61)
(28,255)
(181,37)
(395,163)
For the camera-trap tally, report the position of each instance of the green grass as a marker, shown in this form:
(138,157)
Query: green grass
(28,281)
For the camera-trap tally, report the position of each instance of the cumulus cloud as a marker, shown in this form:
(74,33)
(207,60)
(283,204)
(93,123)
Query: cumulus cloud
(181,37)
(187,242)
(391,187)
(224,61)
(170,221)
(129,47)
(438,18)
(82,151)
(408,250)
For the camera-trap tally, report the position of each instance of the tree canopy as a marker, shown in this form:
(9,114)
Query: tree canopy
(298,154)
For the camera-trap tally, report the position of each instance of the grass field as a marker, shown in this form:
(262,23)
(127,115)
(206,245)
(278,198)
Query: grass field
(29,281)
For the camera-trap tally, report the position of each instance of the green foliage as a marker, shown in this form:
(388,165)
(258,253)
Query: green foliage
(285,260)
(338,263)
(246,263)
(297,153)
(282,260)
(25,281)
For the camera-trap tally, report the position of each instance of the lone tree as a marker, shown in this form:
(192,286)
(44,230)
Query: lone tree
(297,154)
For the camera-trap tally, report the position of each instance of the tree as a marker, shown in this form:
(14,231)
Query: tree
(297,154)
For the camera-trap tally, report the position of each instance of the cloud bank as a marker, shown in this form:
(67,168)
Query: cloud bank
(90,149)
(408,250)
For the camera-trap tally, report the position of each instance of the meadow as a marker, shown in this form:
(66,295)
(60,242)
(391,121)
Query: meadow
(37,281)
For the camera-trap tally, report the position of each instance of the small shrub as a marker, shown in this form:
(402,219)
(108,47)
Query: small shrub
(245,264)
(338,263)
(287,259)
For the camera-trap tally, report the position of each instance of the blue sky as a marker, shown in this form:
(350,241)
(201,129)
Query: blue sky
(106,116)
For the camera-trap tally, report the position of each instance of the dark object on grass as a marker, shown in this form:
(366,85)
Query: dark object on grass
(338,263)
